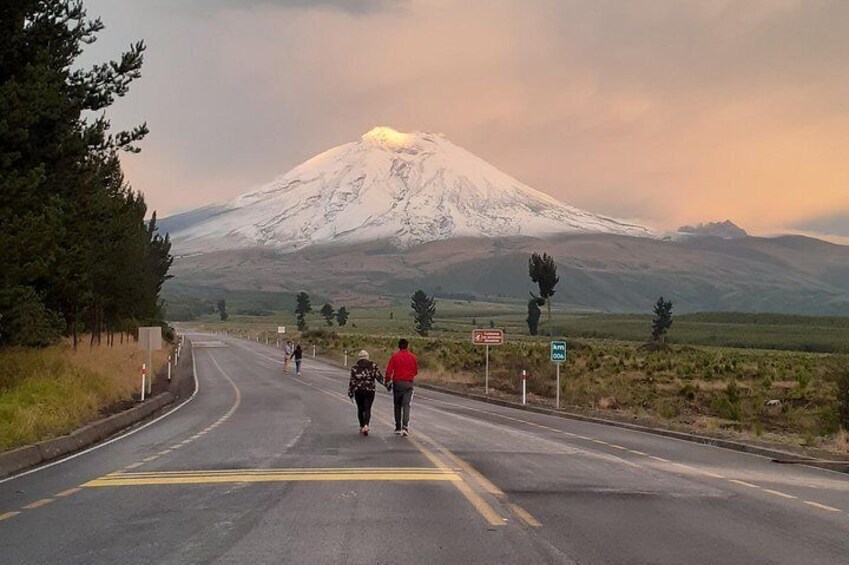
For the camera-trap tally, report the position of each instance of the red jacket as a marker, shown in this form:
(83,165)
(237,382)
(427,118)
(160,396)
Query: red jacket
(402,367)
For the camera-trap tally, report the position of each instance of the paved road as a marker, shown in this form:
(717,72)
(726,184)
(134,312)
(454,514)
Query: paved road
(262,467)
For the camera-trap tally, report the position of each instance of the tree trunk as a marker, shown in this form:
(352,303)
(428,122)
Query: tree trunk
(550,329)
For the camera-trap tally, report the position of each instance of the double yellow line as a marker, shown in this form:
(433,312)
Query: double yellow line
(229,476)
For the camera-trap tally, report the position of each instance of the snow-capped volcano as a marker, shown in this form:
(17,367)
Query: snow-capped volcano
(408,188)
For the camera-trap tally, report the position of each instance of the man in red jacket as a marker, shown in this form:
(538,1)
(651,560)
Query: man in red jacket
(400,374)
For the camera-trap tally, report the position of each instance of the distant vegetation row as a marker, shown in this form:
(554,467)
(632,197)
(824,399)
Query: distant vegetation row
(77,254)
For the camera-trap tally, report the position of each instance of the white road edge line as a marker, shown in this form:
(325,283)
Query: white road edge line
(116,438)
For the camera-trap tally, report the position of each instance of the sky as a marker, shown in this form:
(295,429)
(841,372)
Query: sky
(667,112)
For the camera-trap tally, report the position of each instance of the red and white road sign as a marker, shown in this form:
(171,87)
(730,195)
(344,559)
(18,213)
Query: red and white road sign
(488,337)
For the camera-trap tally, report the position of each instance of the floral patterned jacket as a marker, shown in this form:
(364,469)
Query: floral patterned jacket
(363,375)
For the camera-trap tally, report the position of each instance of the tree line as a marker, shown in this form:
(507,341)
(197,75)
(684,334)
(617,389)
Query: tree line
(77,253)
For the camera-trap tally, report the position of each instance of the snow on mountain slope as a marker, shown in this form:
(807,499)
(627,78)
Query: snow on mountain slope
(409,188)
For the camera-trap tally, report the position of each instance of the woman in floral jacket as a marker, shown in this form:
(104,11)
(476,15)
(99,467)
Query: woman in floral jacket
(361,387)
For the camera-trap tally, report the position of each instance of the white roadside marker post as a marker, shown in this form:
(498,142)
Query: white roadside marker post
(313,351)
(524,387)
(346,358)
(143,387)
(169,368)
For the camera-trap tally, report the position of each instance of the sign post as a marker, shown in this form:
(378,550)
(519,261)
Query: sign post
(487,338)
(150,340)
(558,356)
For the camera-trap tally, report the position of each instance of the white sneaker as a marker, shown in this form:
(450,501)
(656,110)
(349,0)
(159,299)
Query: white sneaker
(405,432)
(398,432)
(365,430)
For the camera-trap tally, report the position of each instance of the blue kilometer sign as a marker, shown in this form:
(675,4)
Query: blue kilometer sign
(558,351)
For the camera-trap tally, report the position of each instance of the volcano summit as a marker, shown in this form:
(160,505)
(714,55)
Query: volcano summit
(407,188)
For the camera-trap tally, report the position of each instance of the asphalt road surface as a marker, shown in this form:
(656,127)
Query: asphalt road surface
(263,467)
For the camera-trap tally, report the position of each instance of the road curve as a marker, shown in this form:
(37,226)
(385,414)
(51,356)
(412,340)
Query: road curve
(263,467)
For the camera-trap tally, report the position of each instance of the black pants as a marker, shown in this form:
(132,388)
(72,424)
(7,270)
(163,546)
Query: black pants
(364,399)
(402,394)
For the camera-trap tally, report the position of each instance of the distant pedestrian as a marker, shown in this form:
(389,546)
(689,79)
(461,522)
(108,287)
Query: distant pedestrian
(298,355)
(288,350)
(400,374)
(361,387)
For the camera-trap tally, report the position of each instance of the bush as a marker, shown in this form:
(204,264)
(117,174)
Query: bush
(840,374)
(728,406)
(26,321)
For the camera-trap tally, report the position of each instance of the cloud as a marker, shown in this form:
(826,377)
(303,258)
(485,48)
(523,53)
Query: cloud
(832,224)
(677,112)
(354,7)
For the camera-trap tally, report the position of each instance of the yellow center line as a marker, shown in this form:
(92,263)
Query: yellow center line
(483,481)
(38,503)
(822,506)
(343,470)
(69,492)
(270,478)
(8,515)
(524,515)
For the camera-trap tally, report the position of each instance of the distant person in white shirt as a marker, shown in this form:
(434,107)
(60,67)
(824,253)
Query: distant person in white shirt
(288,350)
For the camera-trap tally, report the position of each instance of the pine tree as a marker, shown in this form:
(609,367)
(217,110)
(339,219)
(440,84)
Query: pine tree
(222,310)
(543,271)
(76,248)
(302,308)
(328,313)
(662,320)
(342,317)
(424,309)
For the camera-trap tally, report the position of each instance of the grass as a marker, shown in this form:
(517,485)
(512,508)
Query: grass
(456,318)
(49,392)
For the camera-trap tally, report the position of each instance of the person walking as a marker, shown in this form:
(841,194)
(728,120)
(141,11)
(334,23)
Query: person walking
(361,387)
(400,374)
(288,349)
(298,355)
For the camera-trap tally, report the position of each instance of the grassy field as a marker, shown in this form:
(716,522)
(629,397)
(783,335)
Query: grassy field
(456,319)
(45,393)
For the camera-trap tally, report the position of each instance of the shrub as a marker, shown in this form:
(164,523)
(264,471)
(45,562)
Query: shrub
(840,374)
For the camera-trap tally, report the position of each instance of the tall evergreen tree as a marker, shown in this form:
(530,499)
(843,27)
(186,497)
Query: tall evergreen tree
(222,310)
(543,271)
(342,317)
(328,313)
(424,309)
(662,320)
(76,248)
(302,308)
